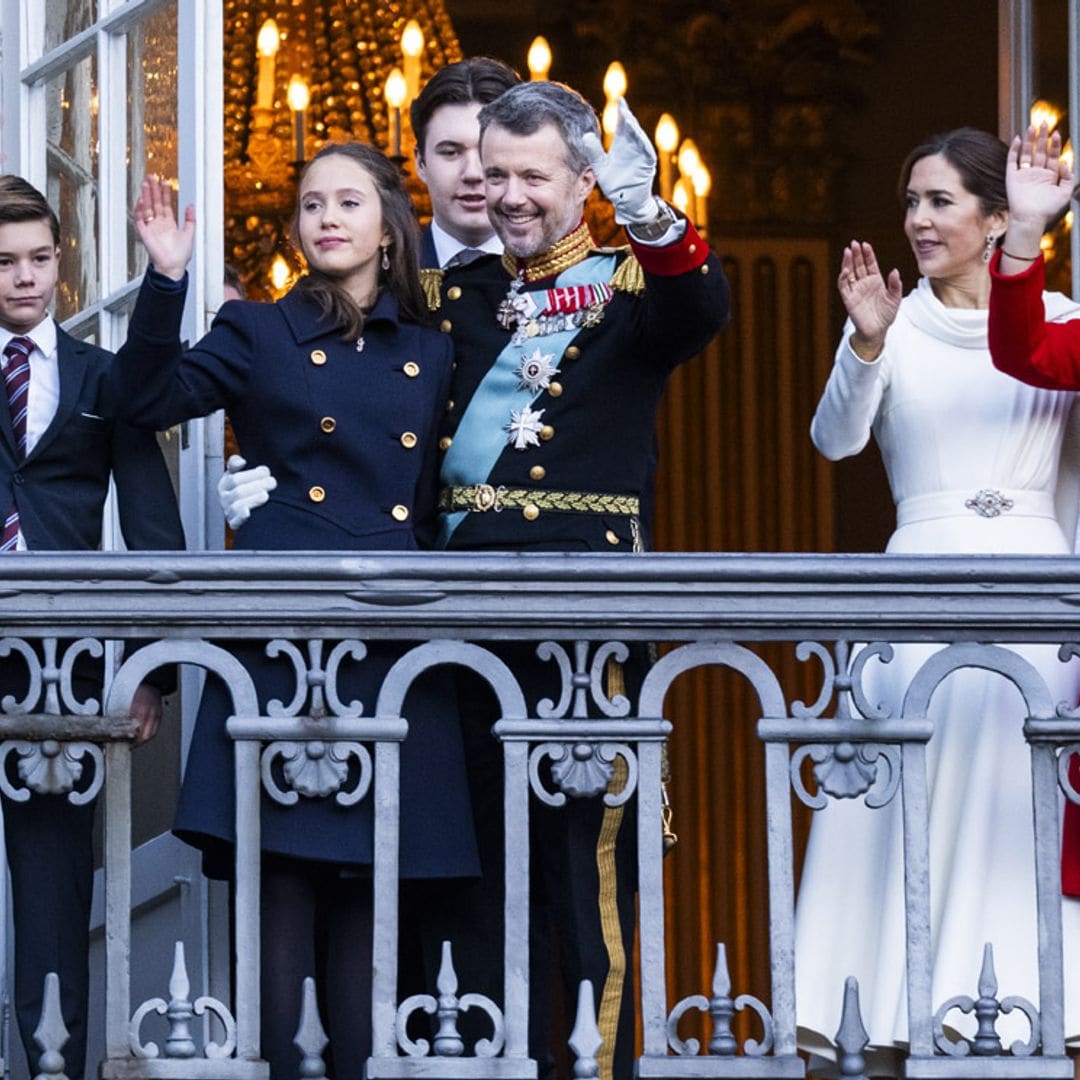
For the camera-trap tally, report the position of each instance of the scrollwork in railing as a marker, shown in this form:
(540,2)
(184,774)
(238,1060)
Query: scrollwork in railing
(986,1008)
(583,679)
(721,1008)
(315,680)
(50,767)
(842,675)
(448,1007)
(179,1011)
(1065,753)
(582,769)
(316,769)
(846,770)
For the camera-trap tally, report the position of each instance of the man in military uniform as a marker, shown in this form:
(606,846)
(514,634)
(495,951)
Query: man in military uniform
(562,351)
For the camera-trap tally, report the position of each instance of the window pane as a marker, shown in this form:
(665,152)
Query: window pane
(72,147)
(152,122)
(65,18)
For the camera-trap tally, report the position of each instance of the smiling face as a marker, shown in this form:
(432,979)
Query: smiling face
(29,266)
(449,163)
(533,197)
(340,224)
(944,223)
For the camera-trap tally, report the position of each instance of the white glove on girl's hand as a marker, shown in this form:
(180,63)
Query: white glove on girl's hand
(241,489)
(627,171)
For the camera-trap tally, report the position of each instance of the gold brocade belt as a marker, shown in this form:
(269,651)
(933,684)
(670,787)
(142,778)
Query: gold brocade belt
(482,497)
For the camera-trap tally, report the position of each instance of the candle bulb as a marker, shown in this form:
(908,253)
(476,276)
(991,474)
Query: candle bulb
(702,183)
(267,46)
(667,138)
(539,59)
(412,45)
(394,93)
(299,99)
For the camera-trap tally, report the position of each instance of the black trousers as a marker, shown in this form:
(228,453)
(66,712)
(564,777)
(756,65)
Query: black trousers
(50,855)
(582,899)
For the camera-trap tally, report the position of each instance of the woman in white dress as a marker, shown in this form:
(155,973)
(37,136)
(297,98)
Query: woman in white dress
(959,440)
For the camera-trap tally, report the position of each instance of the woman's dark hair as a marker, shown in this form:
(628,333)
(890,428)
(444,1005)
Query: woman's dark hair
(977,156)
(402,279)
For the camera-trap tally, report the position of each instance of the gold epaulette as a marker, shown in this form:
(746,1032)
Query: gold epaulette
(431,283)
(628,277)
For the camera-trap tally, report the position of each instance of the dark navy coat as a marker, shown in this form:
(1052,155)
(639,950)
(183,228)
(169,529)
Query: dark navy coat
(350,435)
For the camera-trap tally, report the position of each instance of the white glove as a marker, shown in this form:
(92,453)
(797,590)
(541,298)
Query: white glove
(627,171)
(241,489)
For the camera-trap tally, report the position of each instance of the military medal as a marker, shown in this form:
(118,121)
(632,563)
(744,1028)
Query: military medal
(564,308)
(523,430)
(535,372)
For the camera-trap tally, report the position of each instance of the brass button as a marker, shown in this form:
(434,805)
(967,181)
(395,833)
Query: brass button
(446,326)
(328,423)
(450,405)
(408,440)
(411,369)
(530,512)
(454,292)
(537,472)
(705,268)
(692,248)
(547,432)
(316,494)
(400,513)
(318,357)
(555,389)
(572,353)
(610,537)
(445,443)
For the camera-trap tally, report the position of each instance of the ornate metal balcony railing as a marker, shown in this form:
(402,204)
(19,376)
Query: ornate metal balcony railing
(711,610)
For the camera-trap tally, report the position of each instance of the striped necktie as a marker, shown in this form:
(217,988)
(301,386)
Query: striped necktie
(17,385)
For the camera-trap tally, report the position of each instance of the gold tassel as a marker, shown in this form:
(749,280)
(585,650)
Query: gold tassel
(629,277)
(431,282)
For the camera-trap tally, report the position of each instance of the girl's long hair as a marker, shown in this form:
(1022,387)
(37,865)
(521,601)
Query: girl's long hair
(402,279)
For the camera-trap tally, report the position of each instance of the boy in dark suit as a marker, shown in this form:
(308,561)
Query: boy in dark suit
(59,444)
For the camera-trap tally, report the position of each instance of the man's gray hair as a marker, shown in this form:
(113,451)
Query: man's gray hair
(524,109)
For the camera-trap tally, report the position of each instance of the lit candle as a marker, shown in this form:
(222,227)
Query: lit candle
(689,159)
(609,121)
(539,59)
(615,81)
(267,45)
(702,181)
(667,138)
(412,45)
(299,99)
(395,92)
(680,196)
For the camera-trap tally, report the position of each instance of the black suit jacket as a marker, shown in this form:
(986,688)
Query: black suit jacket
(60,488)
(429,260)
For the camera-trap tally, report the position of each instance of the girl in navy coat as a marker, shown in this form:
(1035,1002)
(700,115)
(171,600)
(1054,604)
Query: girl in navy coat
(339,388)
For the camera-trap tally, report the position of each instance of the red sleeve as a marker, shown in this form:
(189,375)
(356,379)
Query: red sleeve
(679,258)
(1022,343)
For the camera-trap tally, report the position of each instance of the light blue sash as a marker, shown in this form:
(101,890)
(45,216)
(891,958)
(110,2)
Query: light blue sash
(481,436)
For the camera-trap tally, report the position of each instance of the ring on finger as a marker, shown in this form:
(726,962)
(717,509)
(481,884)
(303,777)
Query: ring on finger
(1025,164)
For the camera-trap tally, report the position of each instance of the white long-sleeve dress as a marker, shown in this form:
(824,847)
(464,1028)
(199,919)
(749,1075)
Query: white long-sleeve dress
(949,425)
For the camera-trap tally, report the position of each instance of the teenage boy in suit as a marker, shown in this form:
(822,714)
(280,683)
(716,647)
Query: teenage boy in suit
(59,445)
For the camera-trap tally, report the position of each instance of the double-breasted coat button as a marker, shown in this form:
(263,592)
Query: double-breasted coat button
(446,326)
(318,357)
(450,405)
(555,389)
(611,537)
(454,292)
(400,513)
(445,443)
(537,472)
(572,352)
(316,494)
(530,512)
(547,432)
(412,369)
(408,440)
(328,423)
